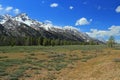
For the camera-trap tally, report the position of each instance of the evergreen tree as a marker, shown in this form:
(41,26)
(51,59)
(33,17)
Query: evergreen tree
(12,42)
(57,42)
(53,42)
(45,42)
(111,41)
(27,39)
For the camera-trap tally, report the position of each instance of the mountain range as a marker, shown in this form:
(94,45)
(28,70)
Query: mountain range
(22,26)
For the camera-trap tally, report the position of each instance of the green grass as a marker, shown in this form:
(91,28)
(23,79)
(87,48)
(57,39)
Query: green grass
(9,49)
(18,73)
(117,47)
(2,57)
(57,59)
(30,49)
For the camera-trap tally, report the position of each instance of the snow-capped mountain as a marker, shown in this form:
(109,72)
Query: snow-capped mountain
(4,18)
(23,18)
(22,26)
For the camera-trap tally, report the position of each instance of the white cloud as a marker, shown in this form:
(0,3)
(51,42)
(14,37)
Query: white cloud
(118,41)
(8,8)
(117,9)
(97,33)
(71,7)
(70,28)
(112,31)
(1,8)
(82,21)
(48,22)
(54,5)
(91,20)
(16,11)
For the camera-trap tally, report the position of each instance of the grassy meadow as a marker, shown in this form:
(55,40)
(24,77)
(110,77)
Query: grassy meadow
(73,62)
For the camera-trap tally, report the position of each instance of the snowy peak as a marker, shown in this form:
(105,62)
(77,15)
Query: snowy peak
(70,28)
(7,16)
(36,28)
(4,18)
(22,17)
(48,26)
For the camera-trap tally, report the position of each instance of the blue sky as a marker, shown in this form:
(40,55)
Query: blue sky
(98,18)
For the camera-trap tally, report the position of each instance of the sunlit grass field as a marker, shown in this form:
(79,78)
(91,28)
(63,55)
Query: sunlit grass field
(9,49)
(72,62)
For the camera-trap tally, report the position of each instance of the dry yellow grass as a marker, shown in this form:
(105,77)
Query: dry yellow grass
(99,68)
(98,65)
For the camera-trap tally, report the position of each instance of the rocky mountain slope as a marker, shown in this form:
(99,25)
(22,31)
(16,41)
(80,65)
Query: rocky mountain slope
(22,26)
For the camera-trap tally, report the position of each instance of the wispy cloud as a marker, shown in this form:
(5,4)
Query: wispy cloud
(117,9)
(1,8)
(48,22)
(70,28)
(83,21)
(16,11)
(84,3)
(53,5)
(8,9)
(99,7)
(42,2)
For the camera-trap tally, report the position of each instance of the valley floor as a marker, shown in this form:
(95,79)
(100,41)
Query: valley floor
(103,67)
(90,62)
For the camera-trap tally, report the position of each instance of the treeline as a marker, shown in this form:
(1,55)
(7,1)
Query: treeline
(29,41)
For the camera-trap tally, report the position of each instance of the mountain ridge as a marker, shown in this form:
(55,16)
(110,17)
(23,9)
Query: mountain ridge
(23,26)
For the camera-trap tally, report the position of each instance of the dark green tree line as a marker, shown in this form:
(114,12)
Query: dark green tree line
(29,41)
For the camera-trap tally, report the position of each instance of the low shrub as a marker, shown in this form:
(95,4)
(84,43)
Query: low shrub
(116,60)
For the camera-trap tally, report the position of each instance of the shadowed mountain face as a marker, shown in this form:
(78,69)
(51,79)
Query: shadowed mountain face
(23,26)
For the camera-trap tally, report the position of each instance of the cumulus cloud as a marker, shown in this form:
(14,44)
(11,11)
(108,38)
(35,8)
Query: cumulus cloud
(105,34)
(71,7)
(112,31)
(54,5)
(82,21)
(16,11)
(8,9)
(117,9)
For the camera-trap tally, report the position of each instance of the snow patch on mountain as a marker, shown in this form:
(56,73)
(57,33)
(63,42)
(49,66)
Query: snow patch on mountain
(24,19)
(4,18)
(68,32)
(47,25)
